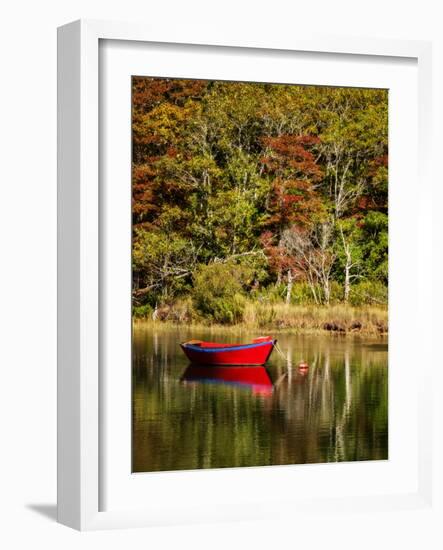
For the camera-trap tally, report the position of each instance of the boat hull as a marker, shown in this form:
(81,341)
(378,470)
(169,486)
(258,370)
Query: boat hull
(250,354)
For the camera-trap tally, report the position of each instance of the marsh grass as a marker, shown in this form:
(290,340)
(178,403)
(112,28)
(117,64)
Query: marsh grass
(280,317)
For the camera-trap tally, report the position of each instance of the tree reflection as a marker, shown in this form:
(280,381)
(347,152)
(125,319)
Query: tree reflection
(185,418)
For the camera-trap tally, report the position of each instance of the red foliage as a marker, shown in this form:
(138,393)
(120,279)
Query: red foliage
(147,93)
(278,258)
(376,195)
(143,200)
(292,202)
(290,156)
(293,198)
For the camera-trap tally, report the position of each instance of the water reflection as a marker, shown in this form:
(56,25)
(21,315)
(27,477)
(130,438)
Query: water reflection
(187,417)
(255,379)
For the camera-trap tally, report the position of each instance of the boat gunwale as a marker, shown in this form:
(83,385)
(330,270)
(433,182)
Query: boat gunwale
(224,349)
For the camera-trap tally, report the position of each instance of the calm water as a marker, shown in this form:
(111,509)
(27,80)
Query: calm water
(186,418)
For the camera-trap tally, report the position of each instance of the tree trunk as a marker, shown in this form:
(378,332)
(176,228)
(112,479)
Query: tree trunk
(155,313)
(348,267)
(289,289)
(311,284)
(327,291)
(347,281)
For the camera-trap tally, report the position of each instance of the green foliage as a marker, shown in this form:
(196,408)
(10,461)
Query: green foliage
(375,246)
(368,293)
(287,184)
(271,294)
(302,294)
(218,292)
(142,312)
(336,292)
(161,262)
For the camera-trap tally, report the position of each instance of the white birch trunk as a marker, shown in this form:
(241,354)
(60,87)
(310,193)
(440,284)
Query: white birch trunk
(347,281)
(289,288)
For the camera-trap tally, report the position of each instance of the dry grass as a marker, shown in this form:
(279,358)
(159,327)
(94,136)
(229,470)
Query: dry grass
(335,319)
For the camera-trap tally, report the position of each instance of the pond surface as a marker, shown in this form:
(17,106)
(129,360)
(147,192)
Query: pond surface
(188,417)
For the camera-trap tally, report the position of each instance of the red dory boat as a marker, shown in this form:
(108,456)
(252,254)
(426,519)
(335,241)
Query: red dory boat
(212,353)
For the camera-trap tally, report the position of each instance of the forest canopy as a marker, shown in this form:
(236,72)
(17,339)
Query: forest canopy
(261,192)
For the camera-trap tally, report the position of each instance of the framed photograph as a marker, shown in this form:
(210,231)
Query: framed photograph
(238,231)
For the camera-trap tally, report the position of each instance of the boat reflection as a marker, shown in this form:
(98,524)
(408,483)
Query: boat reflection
(256,379)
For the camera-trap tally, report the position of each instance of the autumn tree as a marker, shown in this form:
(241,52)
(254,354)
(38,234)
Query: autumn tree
(293,200)
(290,181)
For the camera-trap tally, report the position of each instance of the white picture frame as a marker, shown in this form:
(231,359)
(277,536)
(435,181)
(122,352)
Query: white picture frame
(79,261)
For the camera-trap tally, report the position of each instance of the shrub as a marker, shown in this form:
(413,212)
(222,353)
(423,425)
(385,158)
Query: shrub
(272,294)
(302,294)
(337,292)
(181,311)
(142,312)
(369,293)
(218,292)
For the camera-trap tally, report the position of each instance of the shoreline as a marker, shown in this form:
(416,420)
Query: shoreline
(301,320)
